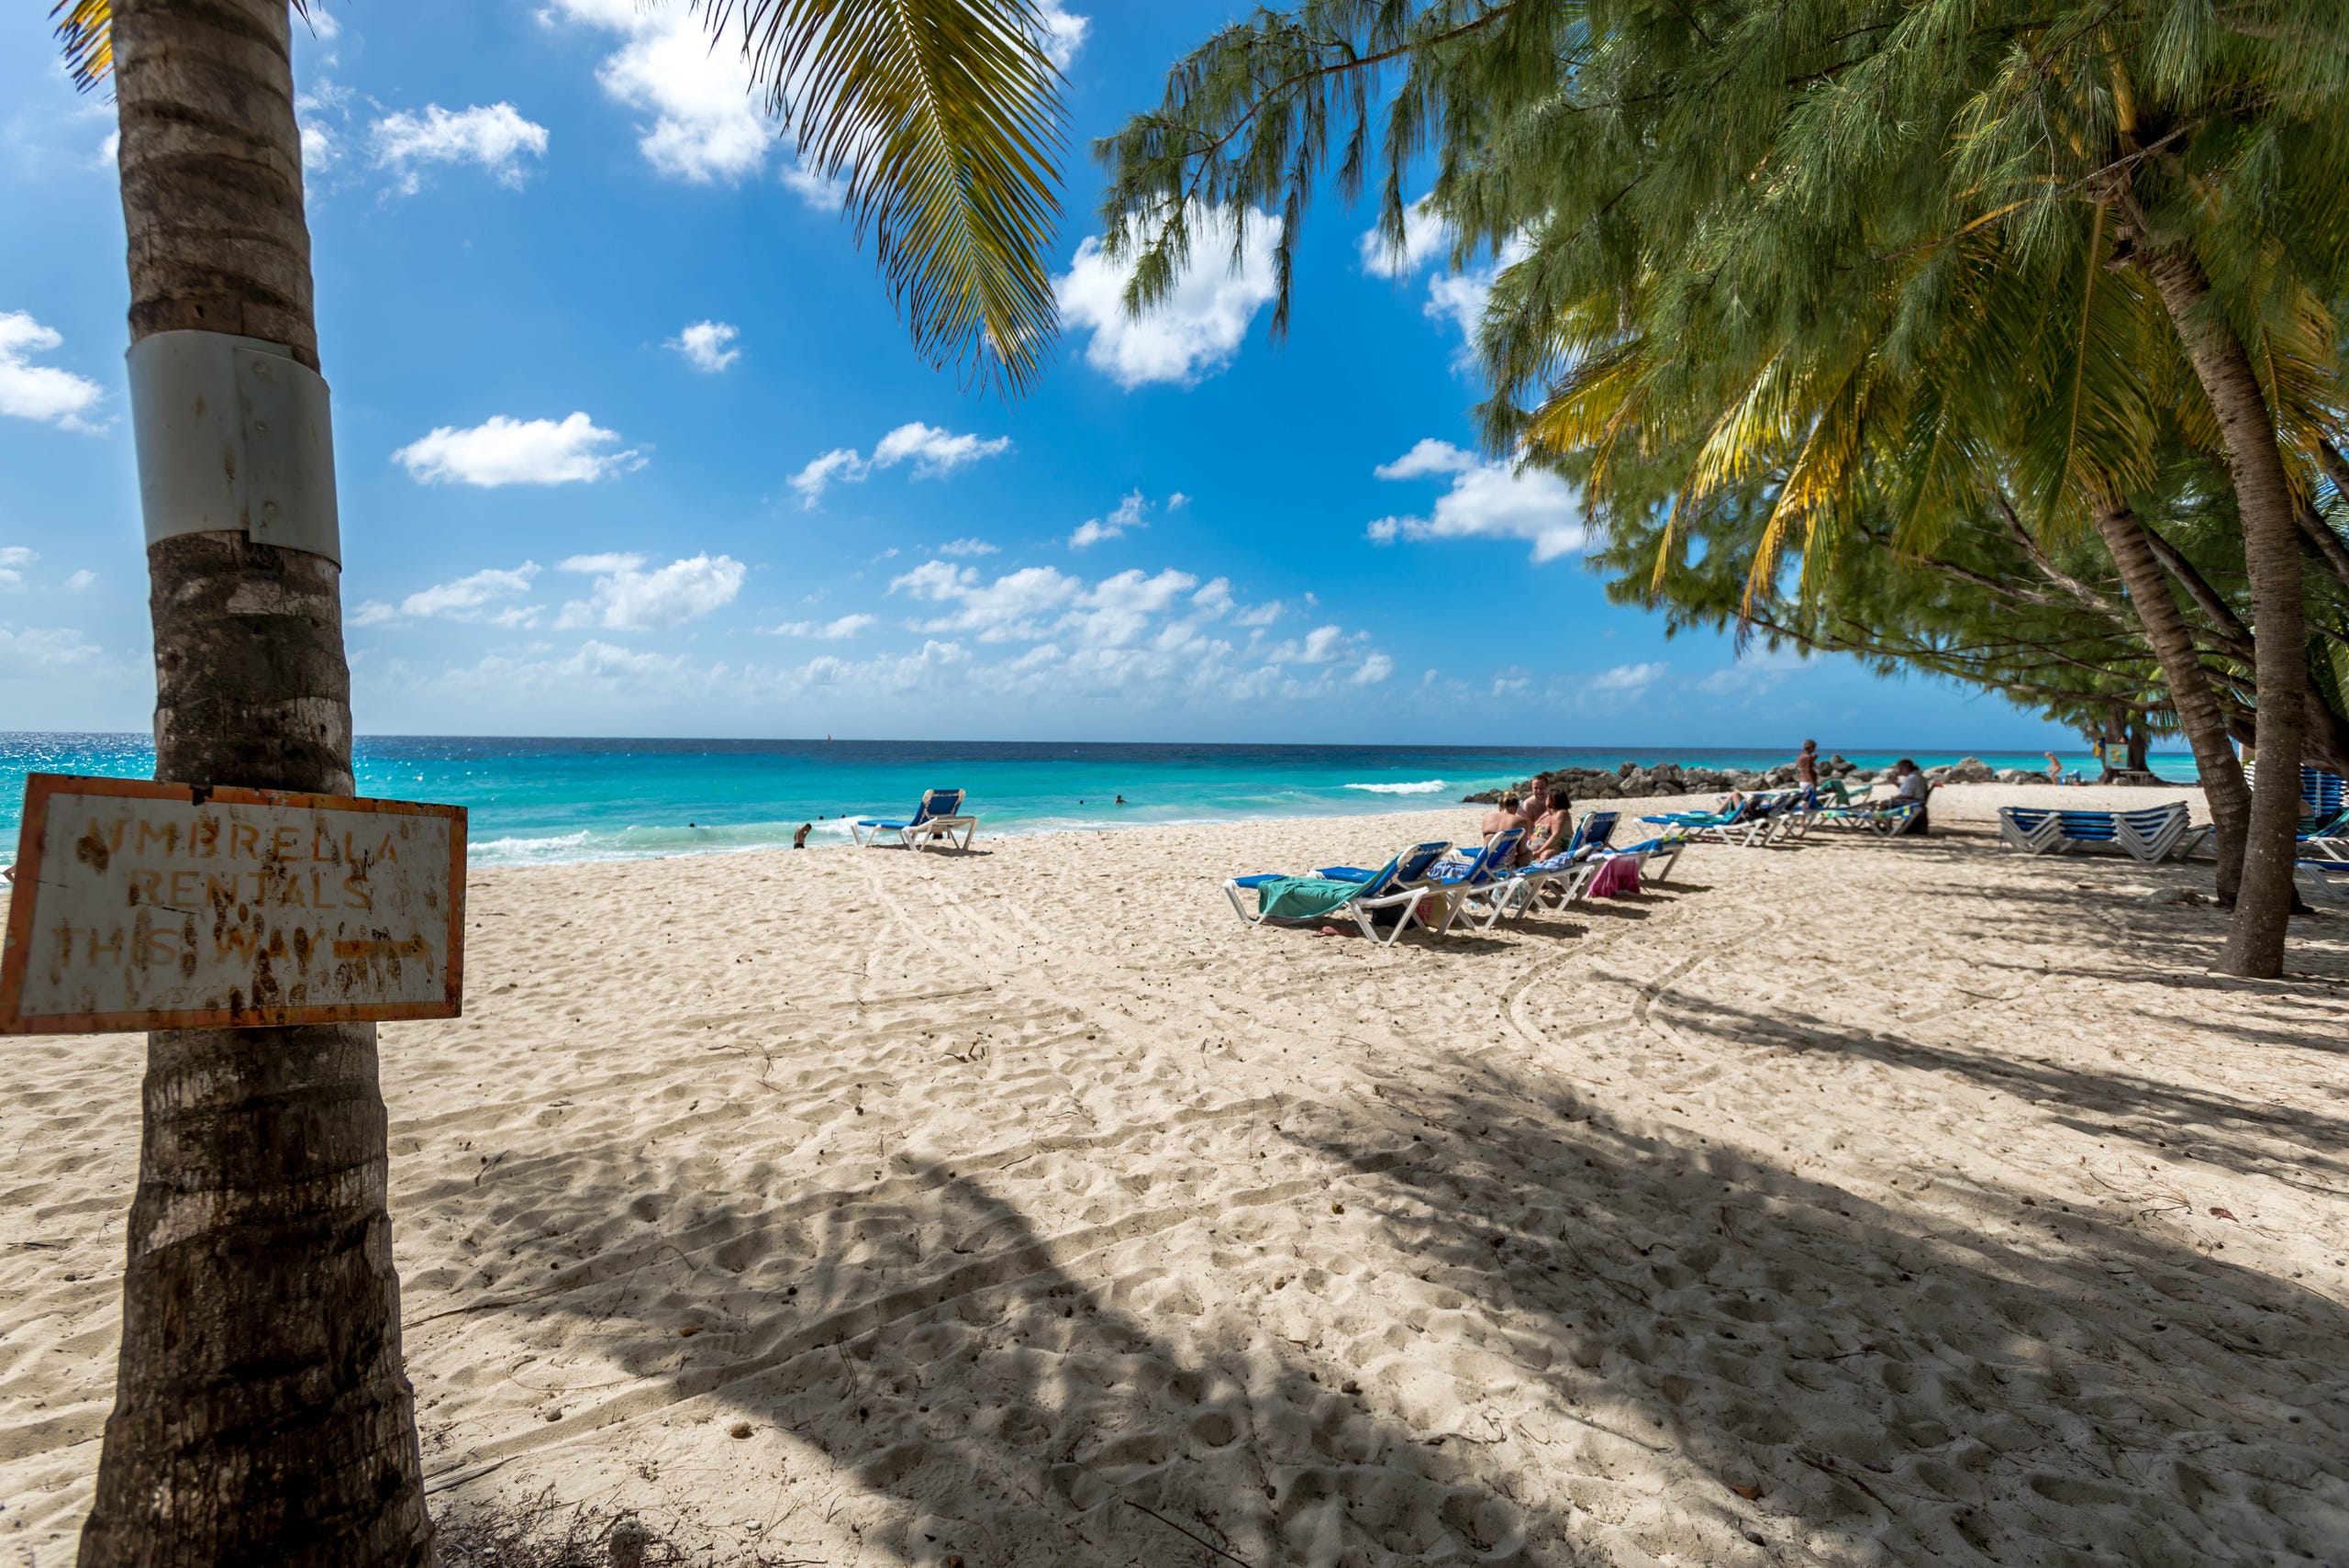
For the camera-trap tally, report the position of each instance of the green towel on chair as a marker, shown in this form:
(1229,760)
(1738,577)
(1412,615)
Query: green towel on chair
(1303,897)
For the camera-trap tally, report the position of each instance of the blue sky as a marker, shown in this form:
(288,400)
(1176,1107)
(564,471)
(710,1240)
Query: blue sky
(630,443)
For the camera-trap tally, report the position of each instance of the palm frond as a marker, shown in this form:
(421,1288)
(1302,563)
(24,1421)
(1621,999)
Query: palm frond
(945,118)
(85,32)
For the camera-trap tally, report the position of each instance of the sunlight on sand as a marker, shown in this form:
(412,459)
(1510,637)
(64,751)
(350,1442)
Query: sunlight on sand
(1856,1201)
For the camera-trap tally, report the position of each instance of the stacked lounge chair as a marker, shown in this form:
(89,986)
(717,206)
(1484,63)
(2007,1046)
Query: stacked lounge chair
(2156,833)
(938,817)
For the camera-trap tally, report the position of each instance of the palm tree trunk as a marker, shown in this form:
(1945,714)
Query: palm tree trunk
(2199,713)
(260,1411)
(2271,549)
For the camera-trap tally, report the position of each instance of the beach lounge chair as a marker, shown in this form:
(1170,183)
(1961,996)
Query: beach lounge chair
(1756,819)
(1333,891)
(1483,882)
(2154,834)
(2326,839)
(938,816)
(2327,879)
(1665,847)
(1571,867)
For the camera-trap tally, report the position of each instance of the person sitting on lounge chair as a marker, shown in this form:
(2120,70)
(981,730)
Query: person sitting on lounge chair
(1910,786)
(1503,814)
(1549,830)
(1536,801)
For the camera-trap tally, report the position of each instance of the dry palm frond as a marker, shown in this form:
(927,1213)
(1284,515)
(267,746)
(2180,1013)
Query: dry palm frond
(86,31)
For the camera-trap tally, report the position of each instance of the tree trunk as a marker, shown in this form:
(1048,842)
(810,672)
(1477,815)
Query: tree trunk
(2271,549)
(261,1415)
(2199,713)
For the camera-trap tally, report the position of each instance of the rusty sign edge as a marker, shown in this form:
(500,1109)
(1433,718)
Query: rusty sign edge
(33,827)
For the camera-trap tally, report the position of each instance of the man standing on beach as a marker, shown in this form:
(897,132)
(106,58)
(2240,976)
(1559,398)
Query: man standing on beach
(1807,765)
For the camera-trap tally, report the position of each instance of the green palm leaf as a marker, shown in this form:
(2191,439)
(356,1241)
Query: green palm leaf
(945,118)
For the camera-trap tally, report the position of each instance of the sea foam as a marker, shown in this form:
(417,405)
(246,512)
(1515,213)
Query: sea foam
(1424,786)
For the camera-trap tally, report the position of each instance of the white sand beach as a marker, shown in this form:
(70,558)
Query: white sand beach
(1855,1201)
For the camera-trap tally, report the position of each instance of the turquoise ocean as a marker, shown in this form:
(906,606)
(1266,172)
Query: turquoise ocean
(540,802)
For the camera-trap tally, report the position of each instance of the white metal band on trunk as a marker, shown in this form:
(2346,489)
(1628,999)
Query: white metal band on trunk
(233,436)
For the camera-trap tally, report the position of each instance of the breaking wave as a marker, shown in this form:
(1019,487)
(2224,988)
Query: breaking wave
(1424,786)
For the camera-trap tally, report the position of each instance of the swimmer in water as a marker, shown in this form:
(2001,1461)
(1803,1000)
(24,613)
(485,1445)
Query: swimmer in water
(1121,800)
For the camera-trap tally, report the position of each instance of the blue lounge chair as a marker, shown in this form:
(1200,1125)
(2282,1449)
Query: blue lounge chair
(1569,867)
(2328,879)
(938,816)
(1756,819)
(2326,839)
(1481,882)
(1332,891)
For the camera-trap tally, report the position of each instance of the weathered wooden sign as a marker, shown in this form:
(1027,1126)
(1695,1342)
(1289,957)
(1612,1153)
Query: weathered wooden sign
(142,906)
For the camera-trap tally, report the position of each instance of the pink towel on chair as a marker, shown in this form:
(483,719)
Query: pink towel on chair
(1617,878)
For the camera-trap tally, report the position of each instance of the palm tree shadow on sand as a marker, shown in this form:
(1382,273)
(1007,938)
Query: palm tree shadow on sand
(1531,1337)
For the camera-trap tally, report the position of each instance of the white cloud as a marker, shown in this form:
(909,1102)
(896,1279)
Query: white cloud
(1625,680)
(1092,530)
(839,630)
(840,463)
(1752,675)
(504,450)
(371,612)
(966,547)
(80,580)
(1020,605)
(706,123)
(495,136)
(320,146)
(1425,238)
(40,392)
(932,451)
(627,598)
(1322,644)
(14,559)
(1118,611)
(1197,329)
(1061,33)
(708,346)
(1487,500)
(474,598)
(1141,633)
(1259,615)
(23,652)
(1457,297)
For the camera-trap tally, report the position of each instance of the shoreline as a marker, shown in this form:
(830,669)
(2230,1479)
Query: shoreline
(2092,798)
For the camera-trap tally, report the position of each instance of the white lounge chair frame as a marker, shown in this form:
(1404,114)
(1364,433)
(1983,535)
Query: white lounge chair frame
(926,828)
